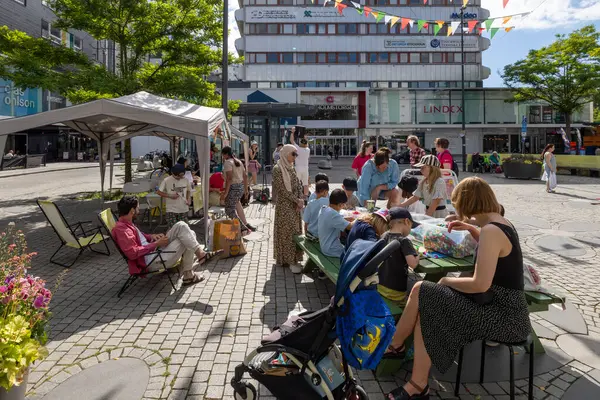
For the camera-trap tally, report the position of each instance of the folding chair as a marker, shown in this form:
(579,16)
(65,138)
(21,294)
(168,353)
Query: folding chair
(68,234)
(109,220)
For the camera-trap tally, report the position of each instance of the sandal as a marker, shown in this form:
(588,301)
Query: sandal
(197,278)
(395,353)
(209,255)
(401,393)
(251,228)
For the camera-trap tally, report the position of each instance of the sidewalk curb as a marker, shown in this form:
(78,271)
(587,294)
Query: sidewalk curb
(42,170)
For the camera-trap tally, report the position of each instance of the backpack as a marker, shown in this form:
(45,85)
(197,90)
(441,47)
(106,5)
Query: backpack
(365,328)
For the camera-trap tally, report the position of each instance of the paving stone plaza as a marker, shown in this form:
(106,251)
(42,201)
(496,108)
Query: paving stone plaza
(155,344)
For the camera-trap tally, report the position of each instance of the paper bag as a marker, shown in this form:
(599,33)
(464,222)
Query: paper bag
(228,237)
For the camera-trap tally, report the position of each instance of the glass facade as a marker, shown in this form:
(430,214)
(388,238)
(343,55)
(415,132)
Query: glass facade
(16,102)
(412,107)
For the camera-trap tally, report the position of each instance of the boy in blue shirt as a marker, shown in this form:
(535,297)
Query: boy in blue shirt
(318,178)
(331,224)
(311,212)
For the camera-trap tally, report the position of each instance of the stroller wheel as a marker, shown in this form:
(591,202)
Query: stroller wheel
(357,393)
(248,392)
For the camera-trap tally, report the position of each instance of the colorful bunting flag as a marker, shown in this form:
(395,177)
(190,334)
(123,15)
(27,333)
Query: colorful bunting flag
(508,28)
(465,2)
(355,5)
(480,30)
(379,16)
(404,23)
(505,3)
(488,24)
(449,31)
(505,21)
(454,26)
(472,25)
(493,32)
(375,14)
(425,2)
(440,23)
(394,20)
(367,10)
(340,7)
(420,24)
(436,29)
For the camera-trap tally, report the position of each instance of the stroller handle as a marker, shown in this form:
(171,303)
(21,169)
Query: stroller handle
(383,255)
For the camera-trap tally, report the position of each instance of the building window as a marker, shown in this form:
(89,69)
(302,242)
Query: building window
(261,58)
(272,58)
(288,29)
(77,43)
(287,58)
(470,58)
(285,2)
(55,34)
(23,2)
(424,58)
(415,58)
(45,29)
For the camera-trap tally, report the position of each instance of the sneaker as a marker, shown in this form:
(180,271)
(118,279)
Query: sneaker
(296,268)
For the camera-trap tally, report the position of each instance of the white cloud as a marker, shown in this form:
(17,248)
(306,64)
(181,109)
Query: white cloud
(545,14)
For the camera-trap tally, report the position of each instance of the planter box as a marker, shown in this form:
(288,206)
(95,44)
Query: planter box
(16,392)
(522,171)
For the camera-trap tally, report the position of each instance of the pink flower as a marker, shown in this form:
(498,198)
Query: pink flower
(39,302)
(3,289)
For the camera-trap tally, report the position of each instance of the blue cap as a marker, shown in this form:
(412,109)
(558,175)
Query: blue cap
(177,169)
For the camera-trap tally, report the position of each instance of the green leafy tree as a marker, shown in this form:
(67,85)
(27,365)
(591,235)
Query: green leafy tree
(166,47)
(565,74)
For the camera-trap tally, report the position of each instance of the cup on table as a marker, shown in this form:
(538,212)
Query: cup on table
(370,205)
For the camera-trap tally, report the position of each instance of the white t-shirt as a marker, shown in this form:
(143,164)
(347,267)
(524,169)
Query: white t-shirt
(303,156)
(171,186)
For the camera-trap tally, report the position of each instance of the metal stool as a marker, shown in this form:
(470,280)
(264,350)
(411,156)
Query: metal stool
(528,342)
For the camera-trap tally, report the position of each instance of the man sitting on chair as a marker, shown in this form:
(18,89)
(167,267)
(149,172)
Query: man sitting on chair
(179,242)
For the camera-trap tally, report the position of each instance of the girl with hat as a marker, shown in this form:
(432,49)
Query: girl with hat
(432,189)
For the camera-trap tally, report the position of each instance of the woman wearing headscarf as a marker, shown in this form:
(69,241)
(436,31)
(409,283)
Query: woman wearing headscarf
(290,201)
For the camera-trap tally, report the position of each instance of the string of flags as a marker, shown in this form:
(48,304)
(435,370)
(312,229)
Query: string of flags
(452,26)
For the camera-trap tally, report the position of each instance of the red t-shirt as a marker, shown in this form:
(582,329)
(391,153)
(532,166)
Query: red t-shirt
(445,158)
(216,181)
(359,162)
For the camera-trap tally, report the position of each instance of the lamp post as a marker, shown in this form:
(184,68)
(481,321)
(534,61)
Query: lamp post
(462,89)
(224,66)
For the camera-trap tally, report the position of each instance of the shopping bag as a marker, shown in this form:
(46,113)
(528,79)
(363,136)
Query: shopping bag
(550,177)
(228,237)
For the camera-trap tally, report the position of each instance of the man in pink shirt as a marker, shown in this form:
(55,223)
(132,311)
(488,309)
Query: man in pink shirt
(443,154)
(140,248)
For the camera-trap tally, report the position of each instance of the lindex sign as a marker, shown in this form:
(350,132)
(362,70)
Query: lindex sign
(442,109)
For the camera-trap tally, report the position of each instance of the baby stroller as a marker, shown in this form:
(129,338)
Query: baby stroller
(299,360)
(477,163)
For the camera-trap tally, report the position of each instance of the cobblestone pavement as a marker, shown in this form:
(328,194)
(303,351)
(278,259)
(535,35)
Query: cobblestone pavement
(192,339)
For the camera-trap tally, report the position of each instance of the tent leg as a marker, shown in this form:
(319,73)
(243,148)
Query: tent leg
(112,162)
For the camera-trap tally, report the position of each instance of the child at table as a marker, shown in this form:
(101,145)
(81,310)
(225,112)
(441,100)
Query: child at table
(432,189)
(350,186)
(176,190)
(318,178)
(313,208)
(408,185)
(331,224)
(368,227)
(393,274)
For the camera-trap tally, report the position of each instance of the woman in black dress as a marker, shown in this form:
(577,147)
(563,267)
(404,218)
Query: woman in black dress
(447,315)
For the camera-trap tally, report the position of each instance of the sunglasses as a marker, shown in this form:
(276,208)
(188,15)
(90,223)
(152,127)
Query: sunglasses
(295,154)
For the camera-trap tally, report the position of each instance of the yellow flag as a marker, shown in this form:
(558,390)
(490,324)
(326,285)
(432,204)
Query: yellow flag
(465,2)
(508,29)
(440,23)
(393,21)
(505,21)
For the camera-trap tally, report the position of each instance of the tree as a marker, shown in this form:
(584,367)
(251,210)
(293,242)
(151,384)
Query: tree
(183,36)
(565,74)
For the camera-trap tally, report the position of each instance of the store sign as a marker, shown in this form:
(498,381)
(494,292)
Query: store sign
(405,44)
(336,107)
(456,15)
(452,44)
(291,14)
(442,109)
(16,97)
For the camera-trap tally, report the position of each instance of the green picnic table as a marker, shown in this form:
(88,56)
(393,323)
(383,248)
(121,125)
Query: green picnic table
(432,268)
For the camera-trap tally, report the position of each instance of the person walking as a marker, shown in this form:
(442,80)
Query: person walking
(366,152)
(236,185)
(302,160)
(290,202)
(416,152)
(549,168)
(336,150)
(253,164)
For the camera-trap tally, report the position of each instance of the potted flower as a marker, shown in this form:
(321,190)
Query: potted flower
(23,315)
(522,166)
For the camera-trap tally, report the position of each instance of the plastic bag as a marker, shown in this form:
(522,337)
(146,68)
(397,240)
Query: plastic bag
(457,244)
(552,177)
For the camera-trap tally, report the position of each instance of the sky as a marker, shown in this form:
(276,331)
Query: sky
(546,19)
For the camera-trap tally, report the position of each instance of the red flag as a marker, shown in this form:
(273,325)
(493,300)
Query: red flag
(367,11)
(340,7)
(505,3)
(480,30)
(471,25)
(405,21)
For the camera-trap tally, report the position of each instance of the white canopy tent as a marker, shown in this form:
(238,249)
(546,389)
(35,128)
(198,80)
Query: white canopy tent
(112,120)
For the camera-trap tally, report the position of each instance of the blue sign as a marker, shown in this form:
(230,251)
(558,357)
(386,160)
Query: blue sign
(435,43)
(466,15)
(524,124)
(16,102)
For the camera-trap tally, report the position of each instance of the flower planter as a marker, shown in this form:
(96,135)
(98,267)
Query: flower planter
(17,392)
(522,170)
